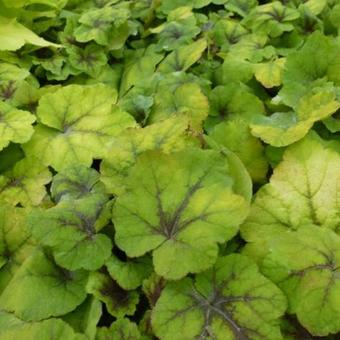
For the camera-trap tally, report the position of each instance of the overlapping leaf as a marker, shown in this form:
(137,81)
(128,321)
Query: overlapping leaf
(169,135)
(118,301)
(230,301)
(39,280)
(303,191)
(311,280)
(76,125)
(72,228)
(15,242)
(180,218)
(25,183)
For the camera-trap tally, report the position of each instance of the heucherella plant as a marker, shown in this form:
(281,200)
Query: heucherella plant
(169,169)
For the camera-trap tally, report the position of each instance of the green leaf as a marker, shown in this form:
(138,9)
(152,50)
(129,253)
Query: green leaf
(253,48)
(242,182)
(22,3)
(183,57)
(138,67)
(11,77)
(284,128)
(15,242)
(167,6)
(85,317)
(40,280)
(228,33)
(302,192)
(8,321)
(152,288)
(15,125)
(311,281)
(241,7)
(181,217)
(131,273)
(90,60)
(75,182)
(185,100)
(335,16)
(9,156)
(168,135)
(122,329)
(333,123)
(118,301)
(13,36)
(25,183)
(138,105)
(272,19)
(235,135)
(44,330)
(317,61)
(107,26)
(71,229)
(175,34)
(230,301)
(235,70)
(77,123)
(269,74)
(232,102)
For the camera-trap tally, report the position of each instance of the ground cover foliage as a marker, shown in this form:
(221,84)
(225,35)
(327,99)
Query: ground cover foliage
(169,169)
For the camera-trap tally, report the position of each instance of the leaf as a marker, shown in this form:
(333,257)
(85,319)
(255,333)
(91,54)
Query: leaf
(24,183)
(152,288)
(11,77)
(167,6)
(269,74)
(272,19)
(130,274)
(234,70)
(284,128)
(71,229)
(241,7)
(122,329)
(8,321)
(235,135)
(183,57)
(230,301)
(316,61)
(335,15)
(253,48)
(85,317)
(76,182)
(39,280)
(9,156)
(44,330)
(138,105)
(185,100)
(332,123)
(13,36)
(15,125)
(232,102)
(139,66)
(302,192)
(22,3)
(118,301)
(180,218)
(90,60)
(242,184)
(311,280)
(106,26)
(79,127)
(168,135)
(177,33)
(15,242)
